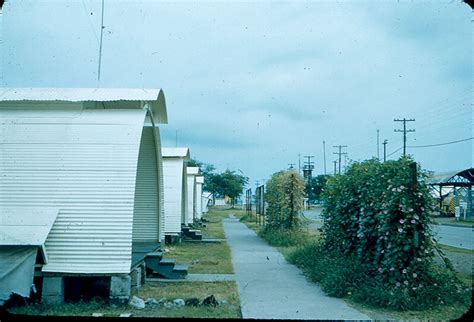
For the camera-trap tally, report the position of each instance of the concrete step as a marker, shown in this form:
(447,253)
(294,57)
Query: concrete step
(180,271)
(168,261)
(158,254)
(166,268)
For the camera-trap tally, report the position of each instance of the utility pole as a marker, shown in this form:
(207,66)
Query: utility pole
(290,166)
(299,163)
(378,145)
(384,150)
(340,153)
(335,165)
(100,44)
(404,132)
(324,153)
(308,167)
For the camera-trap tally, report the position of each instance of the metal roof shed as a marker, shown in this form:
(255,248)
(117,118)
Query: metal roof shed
(95,155)
(191,173)
(461,182)
(199,184)
(175,187)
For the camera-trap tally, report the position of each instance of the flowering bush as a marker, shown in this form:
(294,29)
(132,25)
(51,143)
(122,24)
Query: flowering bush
(380,213)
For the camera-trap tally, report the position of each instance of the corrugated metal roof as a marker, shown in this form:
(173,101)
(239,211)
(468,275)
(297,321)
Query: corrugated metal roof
(85,164)
(26,225)
(445,177)
(136,97)
(175,152)
(174,181)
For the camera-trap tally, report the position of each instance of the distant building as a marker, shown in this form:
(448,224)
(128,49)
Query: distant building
(175,189)
(192,172)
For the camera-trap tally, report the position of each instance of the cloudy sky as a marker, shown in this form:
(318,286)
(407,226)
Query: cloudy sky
(250,85)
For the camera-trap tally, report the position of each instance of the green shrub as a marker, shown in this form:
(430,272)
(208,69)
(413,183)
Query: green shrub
(380,213)
(284,237)
(343,275)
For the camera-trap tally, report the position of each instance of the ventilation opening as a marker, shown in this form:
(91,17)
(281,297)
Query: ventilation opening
(79,288)
(145,212)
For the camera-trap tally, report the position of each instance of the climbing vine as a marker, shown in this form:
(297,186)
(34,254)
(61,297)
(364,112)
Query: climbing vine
(285,195)
(380,213)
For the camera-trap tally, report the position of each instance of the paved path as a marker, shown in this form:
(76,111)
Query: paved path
(270,288)
(461,237)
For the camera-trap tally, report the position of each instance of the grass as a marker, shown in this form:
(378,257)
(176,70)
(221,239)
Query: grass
(456,249)
(437,312)
(170,291)
(202,258)
(208,258)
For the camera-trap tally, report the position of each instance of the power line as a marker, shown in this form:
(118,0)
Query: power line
(395,151)
(439,144)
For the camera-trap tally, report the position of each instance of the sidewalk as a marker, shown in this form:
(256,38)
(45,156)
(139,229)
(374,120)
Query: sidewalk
(270,288)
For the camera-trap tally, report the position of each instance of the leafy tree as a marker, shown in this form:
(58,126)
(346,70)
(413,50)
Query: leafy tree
(227,183)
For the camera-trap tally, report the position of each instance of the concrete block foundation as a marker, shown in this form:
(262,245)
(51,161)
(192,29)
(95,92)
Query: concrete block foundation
(53,290)
(120,288)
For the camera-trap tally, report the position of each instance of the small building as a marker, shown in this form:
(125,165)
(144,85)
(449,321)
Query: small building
(175,189)
(199,184)
(81,187)
(192,172)
(457,187)
(206,201)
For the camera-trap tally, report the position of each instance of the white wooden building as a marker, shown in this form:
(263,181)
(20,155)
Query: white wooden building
(175,188)
(199,184)
(192,172)
(206,197)
(85,165)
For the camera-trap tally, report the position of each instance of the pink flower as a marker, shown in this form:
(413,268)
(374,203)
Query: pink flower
(382,251)
(406,282)
(400,230)
(415,275)
(404,271)
(380,269)
(418,259)
(416,217)
(413,221)
(401,221)
(413,288)
(392,269)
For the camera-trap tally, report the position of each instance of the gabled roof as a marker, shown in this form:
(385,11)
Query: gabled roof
(175,153)
(135,97)
(192,170)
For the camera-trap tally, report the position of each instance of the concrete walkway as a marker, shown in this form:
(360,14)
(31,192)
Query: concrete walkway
(270,288)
